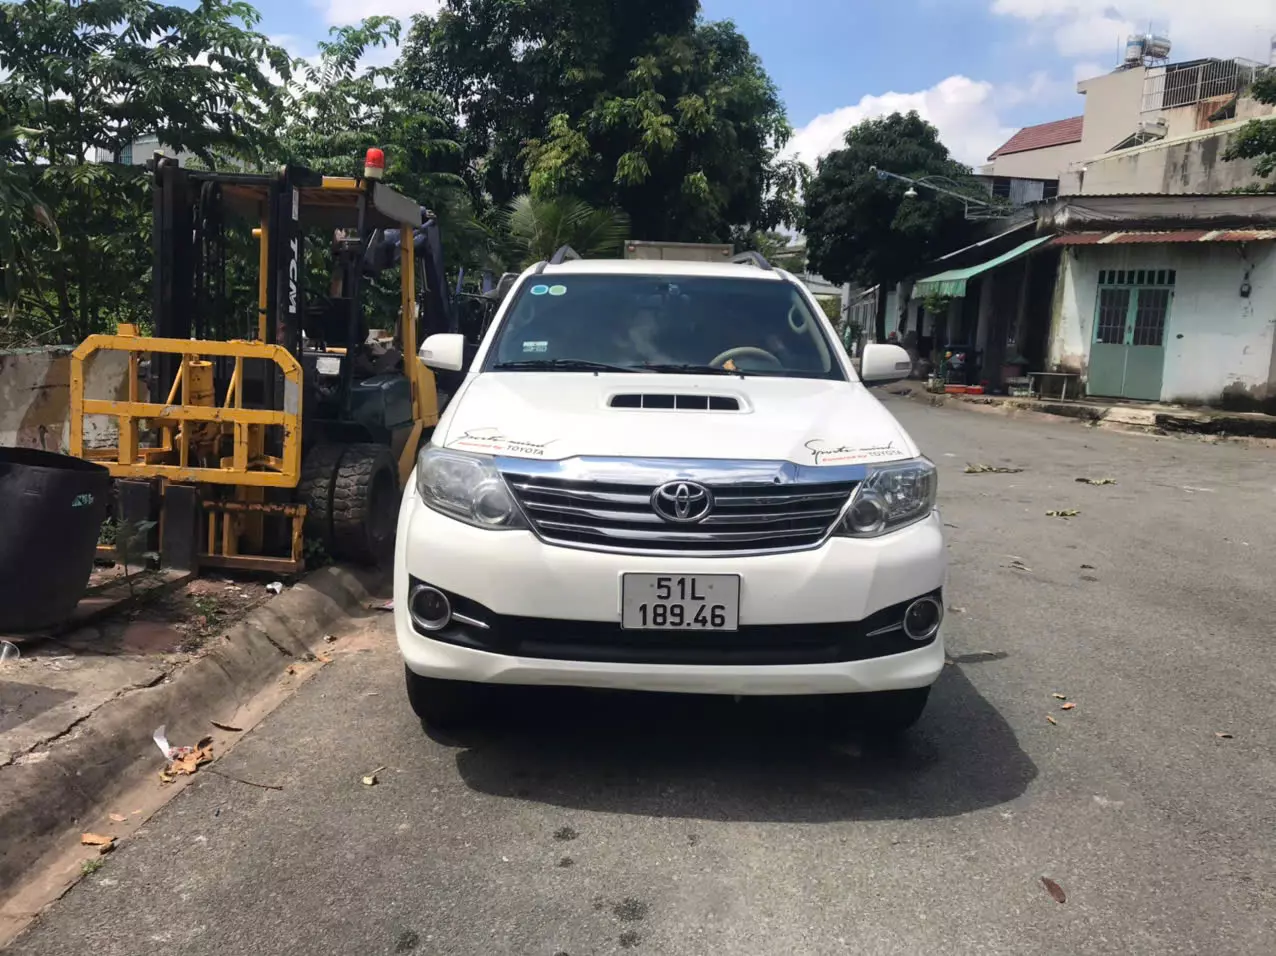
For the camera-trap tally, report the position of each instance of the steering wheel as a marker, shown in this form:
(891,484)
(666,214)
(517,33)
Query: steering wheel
(743,350)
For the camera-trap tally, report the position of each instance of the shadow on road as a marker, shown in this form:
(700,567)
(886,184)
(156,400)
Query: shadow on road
(711,758)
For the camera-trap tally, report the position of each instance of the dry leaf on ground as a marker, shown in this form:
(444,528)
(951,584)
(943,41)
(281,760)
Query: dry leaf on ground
(370,779)
(1068,706)
(1063,513)
(324,658)
(1223,735)
(991,470)
(1054,889)
(1097,481)
(118,818)
(1057,696)
(104,843)
(220,726)
(1051,719)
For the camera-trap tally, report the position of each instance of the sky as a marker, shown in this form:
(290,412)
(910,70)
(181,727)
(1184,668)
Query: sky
(978,69)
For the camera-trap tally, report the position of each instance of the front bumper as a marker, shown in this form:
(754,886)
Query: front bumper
(554,613)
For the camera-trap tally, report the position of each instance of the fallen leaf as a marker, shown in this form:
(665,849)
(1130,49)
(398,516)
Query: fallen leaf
(1223,735)
(370,779)
(1097,481)
(1063,513)
(1087,567)
(991,470)
(323,658)
(1059,696)
(958,610)
(1054,889)
(220,726)
(1068,706)
(165,777)
(96,839)
(118,818)
(1051,719)
(1017,565)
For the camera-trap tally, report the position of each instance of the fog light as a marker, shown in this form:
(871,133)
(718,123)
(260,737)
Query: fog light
(429,607)
(922,618)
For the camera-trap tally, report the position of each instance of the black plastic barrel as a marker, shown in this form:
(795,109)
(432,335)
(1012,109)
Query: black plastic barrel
(51,511)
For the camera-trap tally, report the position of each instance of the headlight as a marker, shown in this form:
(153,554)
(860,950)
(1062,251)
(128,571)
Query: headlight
(891,496)
(466,487)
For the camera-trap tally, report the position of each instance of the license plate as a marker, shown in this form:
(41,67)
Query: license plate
(680,602)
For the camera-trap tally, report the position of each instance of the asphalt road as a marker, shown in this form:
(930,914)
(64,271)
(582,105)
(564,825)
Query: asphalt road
(596,826)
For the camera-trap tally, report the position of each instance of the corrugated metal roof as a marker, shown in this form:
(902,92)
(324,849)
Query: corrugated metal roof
(953,282)
(1042,136)
(1164,236)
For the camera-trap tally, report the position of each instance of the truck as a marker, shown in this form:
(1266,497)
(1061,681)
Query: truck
(686,251)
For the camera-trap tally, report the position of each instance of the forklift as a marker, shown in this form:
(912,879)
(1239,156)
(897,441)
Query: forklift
(248,441)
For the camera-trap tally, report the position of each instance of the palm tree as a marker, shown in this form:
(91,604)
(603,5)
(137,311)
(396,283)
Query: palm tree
(537,227)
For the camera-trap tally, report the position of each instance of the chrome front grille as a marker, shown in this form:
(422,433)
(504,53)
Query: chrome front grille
(746,516)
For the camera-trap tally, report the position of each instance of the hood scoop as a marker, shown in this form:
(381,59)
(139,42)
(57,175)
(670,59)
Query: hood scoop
(672,401)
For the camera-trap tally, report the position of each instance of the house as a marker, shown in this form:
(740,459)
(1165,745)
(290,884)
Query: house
(1148,126)
(1153,298)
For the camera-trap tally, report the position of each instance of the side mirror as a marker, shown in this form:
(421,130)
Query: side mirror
(882,364)
(444,351)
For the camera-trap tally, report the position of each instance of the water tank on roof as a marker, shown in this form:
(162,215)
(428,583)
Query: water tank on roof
(1134,50)
(1156,47)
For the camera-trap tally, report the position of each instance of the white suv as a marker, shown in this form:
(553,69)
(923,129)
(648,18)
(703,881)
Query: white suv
(667,476)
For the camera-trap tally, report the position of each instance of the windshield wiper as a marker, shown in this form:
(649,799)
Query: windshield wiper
(565,365)
(691,369)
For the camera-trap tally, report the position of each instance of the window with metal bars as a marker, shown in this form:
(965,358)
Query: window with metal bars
(1133,306)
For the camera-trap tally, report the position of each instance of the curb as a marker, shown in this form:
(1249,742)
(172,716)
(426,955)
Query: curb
(106,753)
(1123,417)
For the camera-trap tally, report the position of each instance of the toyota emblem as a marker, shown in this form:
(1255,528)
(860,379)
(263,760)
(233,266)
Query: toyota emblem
(682,502)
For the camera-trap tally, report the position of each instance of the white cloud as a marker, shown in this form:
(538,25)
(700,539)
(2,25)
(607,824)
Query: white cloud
(1221,28)
(340,12)
(964,111)
(1088,70)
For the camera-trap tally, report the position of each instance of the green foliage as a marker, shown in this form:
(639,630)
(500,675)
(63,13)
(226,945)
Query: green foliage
(862,229)
(537,227)
(87,78)
(831,306)
(775,247)
(637,106)
(935,303)
(1256,140)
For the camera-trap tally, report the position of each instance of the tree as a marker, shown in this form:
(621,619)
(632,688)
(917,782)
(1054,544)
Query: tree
(537,227)
(86,79)
(1256,140)
(862,229)
(639,106)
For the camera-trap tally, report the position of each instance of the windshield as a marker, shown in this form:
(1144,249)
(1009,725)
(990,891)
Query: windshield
(692,324)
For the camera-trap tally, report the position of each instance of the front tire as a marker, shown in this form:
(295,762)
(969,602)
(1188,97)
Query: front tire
(365,505)
(444,704)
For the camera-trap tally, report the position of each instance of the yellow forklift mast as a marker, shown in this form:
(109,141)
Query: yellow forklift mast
(245,435)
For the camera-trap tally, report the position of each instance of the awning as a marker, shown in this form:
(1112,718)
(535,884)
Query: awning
(1164,236)
(953,282)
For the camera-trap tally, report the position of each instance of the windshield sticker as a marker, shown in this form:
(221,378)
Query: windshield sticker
(829,453)
(538,289)
(558,290)
(491,441)
(535,346)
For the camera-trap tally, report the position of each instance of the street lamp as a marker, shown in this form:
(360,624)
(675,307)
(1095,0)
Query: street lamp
(974,208)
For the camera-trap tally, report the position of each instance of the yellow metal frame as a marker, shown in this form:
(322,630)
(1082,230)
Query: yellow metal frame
(176,420)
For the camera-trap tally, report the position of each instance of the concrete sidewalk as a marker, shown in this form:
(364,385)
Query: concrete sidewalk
(1143,416)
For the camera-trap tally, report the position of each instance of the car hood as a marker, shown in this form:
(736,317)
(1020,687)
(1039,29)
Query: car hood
(561,415)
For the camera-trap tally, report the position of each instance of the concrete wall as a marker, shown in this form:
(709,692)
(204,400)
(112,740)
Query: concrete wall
(1220,347)
(1113,108)
(1048,163)
(1193,164)
(35,397)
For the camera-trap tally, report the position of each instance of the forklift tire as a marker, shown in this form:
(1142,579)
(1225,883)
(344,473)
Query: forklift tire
(315,491)
(365,505)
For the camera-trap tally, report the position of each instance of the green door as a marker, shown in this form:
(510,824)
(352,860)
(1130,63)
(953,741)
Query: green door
(1127,357)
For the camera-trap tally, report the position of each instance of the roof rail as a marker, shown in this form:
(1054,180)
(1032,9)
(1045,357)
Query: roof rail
(540,267)
(562,254)
(752,257)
